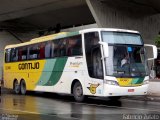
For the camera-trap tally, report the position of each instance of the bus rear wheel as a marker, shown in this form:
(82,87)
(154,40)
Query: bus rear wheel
(78,92)
(23,87)
(16,88)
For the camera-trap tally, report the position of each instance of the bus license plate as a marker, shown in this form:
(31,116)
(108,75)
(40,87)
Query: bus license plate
(130,90)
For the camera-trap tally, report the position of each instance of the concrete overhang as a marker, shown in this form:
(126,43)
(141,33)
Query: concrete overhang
(144,6)
(29,15)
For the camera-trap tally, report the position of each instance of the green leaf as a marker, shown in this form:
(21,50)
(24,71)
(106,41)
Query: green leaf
(157,41)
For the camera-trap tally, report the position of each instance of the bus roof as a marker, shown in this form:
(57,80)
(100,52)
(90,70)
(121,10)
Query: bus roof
(44,38)
(108,29)
(66,34)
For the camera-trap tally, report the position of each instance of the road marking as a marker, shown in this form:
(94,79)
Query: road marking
(19,111)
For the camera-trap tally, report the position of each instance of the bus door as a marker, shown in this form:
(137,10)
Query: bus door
(94,63)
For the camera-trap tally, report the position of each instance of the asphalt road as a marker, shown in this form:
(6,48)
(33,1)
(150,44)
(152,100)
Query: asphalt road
(47,106)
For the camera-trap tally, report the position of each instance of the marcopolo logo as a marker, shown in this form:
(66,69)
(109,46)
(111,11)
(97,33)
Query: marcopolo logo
(28,66)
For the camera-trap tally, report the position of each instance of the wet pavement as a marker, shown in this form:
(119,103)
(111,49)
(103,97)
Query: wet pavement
(48,106)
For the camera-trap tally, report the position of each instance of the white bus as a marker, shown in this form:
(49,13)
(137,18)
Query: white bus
(92,62)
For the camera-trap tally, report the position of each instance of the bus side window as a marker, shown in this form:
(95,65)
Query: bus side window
(33,51)
(74,46)
(62,47)
(53,46)
(71,43)
(41,51)
(48,49)
(7,55)
(20,54)
(24,53)
(55,52)
(14,54)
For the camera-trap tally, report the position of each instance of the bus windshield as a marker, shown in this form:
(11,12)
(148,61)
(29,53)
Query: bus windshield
(125,58)
(121,38)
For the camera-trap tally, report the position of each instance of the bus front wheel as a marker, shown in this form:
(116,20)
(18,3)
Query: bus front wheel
(23,87)
(78,92)
(16,88)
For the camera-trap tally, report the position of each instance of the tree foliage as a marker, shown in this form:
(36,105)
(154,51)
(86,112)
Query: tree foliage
(157,41)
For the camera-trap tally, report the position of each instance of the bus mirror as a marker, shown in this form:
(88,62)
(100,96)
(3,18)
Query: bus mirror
(105,49)
(154,51)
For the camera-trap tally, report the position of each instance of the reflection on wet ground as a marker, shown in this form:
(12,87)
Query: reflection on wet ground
(40,106)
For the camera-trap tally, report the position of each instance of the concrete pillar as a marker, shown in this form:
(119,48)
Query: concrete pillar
(6,38)
(140,18)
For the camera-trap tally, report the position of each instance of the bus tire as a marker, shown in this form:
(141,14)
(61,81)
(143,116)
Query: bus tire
(16,87)
(78,92)
(23,87)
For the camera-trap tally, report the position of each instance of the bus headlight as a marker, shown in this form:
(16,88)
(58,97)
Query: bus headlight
(111,82)
(145,82)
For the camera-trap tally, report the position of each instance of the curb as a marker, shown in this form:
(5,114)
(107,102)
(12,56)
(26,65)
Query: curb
(146,98)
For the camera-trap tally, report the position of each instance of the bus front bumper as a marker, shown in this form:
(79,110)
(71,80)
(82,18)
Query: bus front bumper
(112,90)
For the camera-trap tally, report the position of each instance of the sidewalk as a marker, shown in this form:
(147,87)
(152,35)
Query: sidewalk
(146,98)
(153,98)
(153,92)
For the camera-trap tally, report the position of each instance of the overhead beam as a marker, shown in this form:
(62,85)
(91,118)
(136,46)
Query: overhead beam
(54,5)
(94,11)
